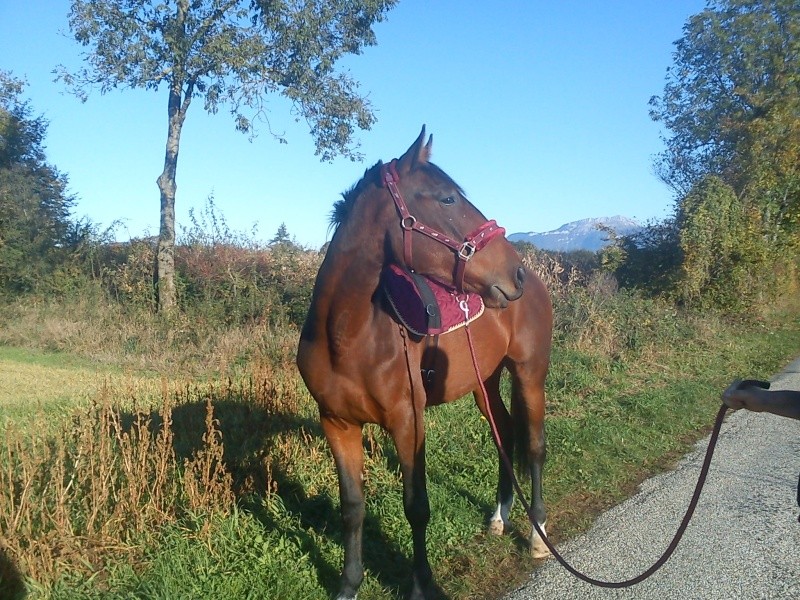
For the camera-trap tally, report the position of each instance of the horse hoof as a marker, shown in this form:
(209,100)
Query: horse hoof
(538,548)
(540,551)
(496,527)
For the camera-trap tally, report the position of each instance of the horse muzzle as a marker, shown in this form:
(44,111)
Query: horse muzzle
(501,294)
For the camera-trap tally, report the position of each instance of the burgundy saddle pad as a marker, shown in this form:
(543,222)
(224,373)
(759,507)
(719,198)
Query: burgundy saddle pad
(426,306)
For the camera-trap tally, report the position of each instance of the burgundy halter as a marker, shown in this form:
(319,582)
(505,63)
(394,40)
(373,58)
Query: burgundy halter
(465,250)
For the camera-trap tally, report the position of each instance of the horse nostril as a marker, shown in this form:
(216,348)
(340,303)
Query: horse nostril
(520,276)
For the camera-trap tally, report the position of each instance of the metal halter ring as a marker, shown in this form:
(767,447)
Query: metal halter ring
(408,222)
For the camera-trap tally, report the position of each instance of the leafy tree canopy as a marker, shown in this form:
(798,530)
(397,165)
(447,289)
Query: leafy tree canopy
(237,53)
(232,52)
(736,79)
(21,135)
(731,107)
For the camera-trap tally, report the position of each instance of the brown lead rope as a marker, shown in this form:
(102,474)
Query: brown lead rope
(678,535)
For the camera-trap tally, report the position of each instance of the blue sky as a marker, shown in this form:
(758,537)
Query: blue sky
(537,108)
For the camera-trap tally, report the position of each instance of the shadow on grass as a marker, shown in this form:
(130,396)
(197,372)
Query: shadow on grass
(12,586)
(248,432)
(382,556)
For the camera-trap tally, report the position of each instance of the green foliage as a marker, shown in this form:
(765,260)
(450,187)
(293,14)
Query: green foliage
(21,136)
(281,237)
(126,272)
(715,253)
(724,250)
(223,276)
(652,259)
(210,228)
(227,276)
(613,255)
(575,265)
(583,262)
(732,106)
(234,53)
(737,68)
(38,238)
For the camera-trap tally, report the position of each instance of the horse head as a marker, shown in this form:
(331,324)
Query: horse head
(442,235)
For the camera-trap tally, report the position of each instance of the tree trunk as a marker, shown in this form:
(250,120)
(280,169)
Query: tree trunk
(165,257)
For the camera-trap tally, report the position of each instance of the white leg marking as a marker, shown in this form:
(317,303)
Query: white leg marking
(496,525)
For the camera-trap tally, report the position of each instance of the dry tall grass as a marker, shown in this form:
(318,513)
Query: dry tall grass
(85,496)
(73,500)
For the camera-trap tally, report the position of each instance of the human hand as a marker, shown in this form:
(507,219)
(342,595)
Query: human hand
(742,393)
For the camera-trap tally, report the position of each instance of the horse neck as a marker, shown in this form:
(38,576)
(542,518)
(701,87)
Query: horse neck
(351,270)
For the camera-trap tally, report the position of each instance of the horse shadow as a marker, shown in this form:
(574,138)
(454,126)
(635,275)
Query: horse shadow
(12,586)
(248,430)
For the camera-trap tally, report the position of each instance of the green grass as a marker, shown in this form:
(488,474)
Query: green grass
(44,385)
(43,389)
(32,356)
(613,419)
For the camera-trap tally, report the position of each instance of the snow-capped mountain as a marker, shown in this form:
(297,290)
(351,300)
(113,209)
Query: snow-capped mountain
(578,235)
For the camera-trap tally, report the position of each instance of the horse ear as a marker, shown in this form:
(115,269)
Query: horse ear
(428,148)
(418,153)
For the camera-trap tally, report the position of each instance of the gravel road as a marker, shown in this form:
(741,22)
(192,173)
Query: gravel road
(742,544)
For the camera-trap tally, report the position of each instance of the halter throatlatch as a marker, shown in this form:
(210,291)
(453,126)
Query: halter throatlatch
(464,251)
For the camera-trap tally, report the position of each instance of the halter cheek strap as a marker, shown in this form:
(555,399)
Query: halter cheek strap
(464,251)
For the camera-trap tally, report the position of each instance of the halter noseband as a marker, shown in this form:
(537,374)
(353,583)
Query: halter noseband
(464,251)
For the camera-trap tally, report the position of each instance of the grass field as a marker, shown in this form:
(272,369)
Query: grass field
(118,483)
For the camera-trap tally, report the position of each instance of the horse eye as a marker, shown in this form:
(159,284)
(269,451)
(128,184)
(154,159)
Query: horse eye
(449,200)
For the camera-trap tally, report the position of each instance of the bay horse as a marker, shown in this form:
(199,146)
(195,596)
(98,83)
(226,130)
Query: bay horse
(362,366)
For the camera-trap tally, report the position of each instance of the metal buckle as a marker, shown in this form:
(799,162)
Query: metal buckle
(466,251)
(408,222)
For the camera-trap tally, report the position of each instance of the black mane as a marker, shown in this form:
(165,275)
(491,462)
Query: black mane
(341,208)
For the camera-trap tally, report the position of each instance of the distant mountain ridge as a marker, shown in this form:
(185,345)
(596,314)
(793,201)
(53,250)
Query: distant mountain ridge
(578,235)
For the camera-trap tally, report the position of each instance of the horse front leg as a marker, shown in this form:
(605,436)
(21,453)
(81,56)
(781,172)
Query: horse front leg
(527,410)
(538,454)
(346,445)
(409,439)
